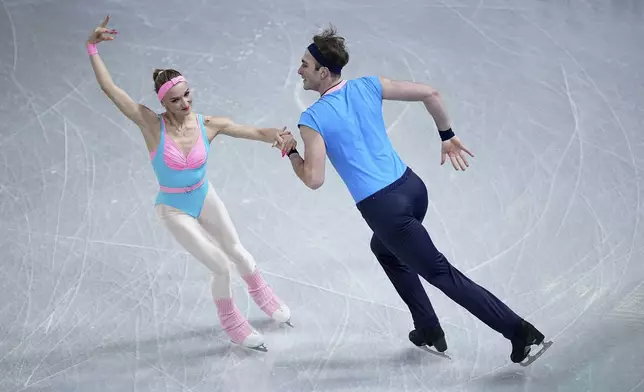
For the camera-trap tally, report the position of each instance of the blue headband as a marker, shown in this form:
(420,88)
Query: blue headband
(315,52)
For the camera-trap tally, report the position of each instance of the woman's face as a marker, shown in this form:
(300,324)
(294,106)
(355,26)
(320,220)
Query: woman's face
(178,100)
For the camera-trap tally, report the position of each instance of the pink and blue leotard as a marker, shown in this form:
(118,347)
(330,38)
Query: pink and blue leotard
(182,179)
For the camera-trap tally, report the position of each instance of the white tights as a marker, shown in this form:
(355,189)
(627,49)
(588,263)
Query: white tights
(211,239)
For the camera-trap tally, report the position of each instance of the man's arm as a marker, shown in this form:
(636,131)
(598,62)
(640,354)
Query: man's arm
(398,90)
(411,91)
(310,169)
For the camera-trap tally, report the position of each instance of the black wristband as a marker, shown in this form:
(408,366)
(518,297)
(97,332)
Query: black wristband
(446,134)
(293,151)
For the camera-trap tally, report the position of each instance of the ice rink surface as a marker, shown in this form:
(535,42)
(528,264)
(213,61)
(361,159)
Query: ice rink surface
(96,296)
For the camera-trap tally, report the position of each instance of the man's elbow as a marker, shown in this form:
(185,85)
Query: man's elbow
(314,181)
(399,90)
(316,184)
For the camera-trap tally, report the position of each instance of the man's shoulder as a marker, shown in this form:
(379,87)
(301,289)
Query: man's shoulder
(365,79)
(315,107)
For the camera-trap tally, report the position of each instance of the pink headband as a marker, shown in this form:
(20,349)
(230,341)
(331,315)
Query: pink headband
(168,85)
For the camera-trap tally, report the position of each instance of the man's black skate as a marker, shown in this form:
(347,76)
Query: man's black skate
(428,337)
(527,336)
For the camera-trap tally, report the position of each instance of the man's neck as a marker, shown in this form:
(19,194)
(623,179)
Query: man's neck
(324,87)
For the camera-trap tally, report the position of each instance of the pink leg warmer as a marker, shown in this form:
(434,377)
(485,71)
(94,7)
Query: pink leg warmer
(261,293)
(232,321)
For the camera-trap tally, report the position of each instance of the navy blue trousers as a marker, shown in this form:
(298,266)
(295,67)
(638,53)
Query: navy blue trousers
(405,250)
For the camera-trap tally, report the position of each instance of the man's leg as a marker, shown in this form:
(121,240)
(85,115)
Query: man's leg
(407,284)
(406,238)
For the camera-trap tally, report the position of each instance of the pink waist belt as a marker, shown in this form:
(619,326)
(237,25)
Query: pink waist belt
(181,190)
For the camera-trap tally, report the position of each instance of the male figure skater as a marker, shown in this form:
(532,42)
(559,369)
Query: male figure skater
(346,123)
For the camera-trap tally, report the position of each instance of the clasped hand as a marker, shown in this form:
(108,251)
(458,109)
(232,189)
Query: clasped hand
(284,140)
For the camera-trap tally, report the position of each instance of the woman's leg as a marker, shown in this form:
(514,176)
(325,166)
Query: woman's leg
(189,234)
(217,222)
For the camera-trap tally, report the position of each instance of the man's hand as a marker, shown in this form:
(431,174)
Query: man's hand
(284,140)
(454,149)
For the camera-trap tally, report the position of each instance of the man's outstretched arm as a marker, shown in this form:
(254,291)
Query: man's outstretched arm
(398,90)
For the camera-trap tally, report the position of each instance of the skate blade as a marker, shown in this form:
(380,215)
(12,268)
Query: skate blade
(531,358)
(289,323)
(435,352)
(261,347)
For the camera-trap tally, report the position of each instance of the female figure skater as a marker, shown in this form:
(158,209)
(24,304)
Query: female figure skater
(178,142)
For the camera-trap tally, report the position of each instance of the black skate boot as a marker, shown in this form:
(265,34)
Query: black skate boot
(526,336)
(429,337)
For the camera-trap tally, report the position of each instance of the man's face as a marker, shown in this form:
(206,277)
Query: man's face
(311,77)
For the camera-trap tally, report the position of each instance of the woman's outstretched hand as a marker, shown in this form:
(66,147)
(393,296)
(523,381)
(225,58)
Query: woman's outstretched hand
(102,33)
